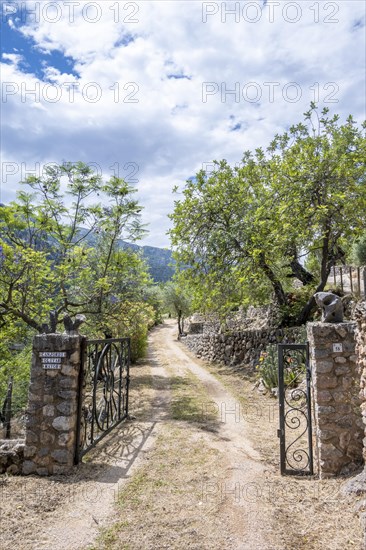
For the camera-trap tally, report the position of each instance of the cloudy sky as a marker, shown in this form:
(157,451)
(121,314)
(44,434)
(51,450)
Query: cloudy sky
(153,91)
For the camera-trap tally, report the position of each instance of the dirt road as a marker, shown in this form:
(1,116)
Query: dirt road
(194,470)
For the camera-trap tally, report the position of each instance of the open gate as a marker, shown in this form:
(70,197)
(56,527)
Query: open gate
(294,393)
(103,395)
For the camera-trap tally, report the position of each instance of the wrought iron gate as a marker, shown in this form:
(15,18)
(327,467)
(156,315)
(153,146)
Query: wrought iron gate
(294,393)
(103,394)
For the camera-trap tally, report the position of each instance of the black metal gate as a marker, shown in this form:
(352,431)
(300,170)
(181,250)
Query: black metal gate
(294,393)
(103,394)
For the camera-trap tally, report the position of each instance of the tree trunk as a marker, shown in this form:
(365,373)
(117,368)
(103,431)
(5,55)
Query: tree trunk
(324,274)
(277,286)
(180,327)
(300,272)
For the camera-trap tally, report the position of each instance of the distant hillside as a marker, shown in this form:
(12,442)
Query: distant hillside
(158,260)
(160,263)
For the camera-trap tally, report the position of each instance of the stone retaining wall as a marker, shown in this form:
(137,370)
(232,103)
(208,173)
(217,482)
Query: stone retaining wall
(241,348)
(11,455)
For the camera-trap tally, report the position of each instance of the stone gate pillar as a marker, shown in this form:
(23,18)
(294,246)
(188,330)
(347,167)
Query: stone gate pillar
(53,402)
(336,395)
(360,315)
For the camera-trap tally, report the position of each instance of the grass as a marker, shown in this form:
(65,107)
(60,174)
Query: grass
(189,398)
(170,483)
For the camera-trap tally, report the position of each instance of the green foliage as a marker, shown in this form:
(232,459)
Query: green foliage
(177,301)
(47,262)
(15,360)
(359,251)
(154,296)
(249,228)
(296,301)
(267,369)
(130,319)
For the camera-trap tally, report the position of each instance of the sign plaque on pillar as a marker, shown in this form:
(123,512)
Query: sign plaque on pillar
(52,360)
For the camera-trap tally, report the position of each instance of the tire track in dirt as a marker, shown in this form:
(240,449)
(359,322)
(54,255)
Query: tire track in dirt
(236,489)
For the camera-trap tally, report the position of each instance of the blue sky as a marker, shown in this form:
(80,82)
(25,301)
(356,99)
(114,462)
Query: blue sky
(153,91)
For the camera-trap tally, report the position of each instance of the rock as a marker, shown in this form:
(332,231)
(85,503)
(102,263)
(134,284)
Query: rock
(28,467)
(13,469)
(63,423)
(261,387)
(61,455)
(356,485)
(331,305)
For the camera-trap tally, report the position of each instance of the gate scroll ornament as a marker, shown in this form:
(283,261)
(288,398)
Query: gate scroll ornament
(294,392)
(103,398)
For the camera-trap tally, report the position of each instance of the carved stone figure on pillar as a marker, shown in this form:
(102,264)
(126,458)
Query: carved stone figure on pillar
(331,306)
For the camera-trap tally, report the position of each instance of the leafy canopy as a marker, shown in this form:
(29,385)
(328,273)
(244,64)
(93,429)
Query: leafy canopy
(261,225)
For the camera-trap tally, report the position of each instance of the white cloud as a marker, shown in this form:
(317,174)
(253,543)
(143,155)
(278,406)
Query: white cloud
(169,132)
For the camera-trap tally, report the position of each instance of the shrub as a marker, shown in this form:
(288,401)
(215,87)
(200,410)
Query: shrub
(359,251)
(294,368)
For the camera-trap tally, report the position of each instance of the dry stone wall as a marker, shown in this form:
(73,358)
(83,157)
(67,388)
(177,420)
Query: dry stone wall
(241,348)
(11,455)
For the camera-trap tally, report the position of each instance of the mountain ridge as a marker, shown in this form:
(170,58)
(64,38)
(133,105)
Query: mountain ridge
(159,260)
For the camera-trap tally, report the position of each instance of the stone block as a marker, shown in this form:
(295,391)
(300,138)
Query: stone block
(346,422)
(31,421)
(326,382)
(35,397)
(48,398)
(66,439)
(67,394)
(330,451)
(67,408)
(13,469)
(42,471)
(341,360)
(75,357)
(31,437)
(63,456)
(326,435)
(319,353)
(44,451)
(63,423)
(354,451)
(47,438)
(29,451)
(344,440)
(324,396)
(29,467)
(347,383)
(341,331)
(49,410)
(341,370)
(42,461)
(324,367)
(52,373)
(69,370)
